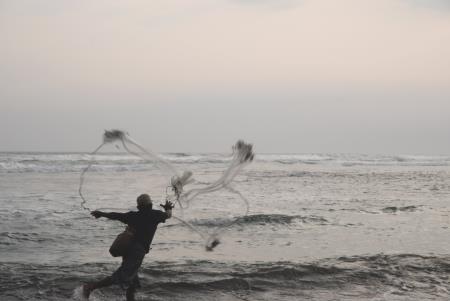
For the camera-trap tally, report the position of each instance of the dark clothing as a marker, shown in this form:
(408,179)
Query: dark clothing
(127,274)
(144,223)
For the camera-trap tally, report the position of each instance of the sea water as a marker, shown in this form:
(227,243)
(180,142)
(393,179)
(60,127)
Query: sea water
(320,227)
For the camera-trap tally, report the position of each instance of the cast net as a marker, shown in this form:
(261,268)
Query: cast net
(176,189)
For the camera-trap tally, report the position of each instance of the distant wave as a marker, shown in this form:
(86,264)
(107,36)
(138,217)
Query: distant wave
(295,158)
(394,209)
(51,163)
(17,237)
(66,162)
(260,219)
(364,277)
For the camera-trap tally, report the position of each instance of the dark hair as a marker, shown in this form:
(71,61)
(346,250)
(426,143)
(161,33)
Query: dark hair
(145,207)
(144,202)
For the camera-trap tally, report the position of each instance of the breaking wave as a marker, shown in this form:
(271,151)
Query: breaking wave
(74,162)
(365,277)
(261,219)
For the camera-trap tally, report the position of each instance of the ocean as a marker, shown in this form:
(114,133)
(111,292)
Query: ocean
(320,227)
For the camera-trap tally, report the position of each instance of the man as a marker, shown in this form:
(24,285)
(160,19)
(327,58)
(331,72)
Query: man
(144,224)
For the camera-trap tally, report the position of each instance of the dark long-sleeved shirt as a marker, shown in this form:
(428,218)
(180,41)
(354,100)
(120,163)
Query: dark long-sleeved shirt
(144,223)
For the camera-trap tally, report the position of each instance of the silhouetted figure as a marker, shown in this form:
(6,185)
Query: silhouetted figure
(141,228)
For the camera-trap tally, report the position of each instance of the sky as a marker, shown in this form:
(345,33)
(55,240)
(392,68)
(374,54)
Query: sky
(290,76)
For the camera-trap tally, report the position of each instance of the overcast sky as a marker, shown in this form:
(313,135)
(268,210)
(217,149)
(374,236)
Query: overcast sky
(352,76)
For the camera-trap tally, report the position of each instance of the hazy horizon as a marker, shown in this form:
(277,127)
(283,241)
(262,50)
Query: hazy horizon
(289,76)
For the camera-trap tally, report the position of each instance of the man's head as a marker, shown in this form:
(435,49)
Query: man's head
(144,202)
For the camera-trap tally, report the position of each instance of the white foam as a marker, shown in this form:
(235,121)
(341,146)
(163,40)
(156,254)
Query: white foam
(108,162)
(78,295)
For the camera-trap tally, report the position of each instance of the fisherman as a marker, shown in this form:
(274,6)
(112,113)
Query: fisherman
(144,224)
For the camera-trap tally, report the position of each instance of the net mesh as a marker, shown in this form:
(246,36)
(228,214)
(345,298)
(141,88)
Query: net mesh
(176,190)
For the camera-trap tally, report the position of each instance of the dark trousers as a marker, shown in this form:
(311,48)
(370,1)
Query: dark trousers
(127,274)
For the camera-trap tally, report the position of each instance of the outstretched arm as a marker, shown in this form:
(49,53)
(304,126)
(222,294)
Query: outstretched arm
(110,215)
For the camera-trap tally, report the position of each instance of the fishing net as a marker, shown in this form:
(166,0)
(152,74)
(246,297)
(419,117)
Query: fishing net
(176,189)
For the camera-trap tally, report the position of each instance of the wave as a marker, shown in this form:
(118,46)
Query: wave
(365,277)
(260,219)
(105,162)
(357,159)
(394,209)
(74,162)
(9,238)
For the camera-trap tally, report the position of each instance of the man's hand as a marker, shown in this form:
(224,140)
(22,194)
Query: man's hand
(168,205)
(96,213)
